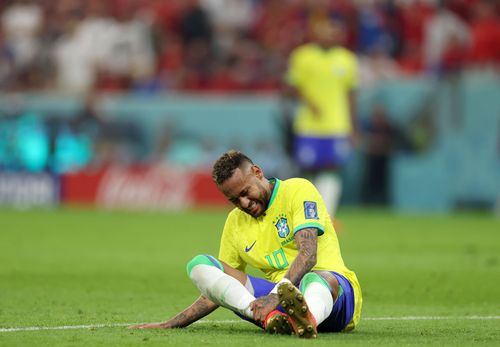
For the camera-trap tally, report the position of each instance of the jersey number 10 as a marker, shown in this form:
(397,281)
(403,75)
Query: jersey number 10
(279,261)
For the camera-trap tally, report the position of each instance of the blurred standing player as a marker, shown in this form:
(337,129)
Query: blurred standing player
(283,229)
(323,76)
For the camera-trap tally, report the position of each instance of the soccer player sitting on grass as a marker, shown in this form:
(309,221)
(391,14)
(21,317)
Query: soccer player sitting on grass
(282,228)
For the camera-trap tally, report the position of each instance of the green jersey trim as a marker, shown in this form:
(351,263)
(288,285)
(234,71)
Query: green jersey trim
(275,190)
(321,229)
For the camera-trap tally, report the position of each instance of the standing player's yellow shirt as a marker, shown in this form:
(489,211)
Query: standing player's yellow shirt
(267,242)
(325,77)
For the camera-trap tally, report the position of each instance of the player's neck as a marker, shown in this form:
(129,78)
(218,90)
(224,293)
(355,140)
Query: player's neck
(326,47)
(272,184)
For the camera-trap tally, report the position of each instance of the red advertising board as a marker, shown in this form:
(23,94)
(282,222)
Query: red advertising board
(141,187)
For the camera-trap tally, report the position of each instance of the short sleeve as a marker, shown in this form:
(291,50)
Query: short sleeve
(308,208)
(295,70)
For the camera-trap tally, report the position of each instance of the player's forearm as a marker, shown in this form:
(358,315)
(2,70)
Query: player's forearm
(298,94)
(306,240)
(299,267)
(199,309)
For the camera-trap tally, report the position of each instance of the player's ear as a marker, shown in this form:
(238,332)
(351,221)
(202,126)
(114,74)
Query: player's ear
(257,171)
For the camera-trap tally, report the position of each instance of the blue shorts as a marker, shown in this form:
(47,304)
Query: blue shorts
(314,153)
(342,311)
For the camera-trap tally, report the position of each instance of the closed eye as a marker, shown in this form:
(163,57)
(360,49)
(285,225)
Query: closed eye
(236,200)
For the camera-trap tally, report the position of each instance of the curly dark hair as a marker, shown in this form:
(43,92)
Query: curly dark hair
(228,162)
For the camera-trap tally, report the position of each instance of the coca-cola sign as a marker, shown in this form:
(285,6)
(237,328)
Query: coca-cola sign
(153,187)
(144,187)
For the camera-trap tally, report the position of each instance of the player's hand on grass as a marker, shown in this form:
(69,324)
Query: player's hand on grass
(262,306)
(149,326)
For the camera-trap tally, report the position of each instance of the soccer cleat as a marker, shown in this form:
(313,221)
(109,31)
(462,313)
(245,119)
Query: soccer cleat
(300,318)
(276,322)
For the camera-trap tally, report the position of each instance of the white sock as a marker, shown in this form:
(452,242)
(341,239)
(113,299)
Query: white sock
(249,286)
(329,186)
(319,300)
(222,289)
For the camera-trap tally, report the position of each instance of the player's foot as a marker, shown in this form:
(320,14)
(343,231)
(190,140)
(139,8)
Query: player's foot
(300,318)
(276,322)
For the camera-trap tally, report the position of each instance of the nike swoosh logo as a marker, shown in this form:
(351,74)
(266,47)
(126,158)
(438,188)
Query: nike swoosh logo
(248,249)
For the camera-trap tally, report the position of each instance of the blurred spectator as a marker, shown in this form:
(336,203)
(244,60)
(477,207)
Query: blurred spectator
(393,22)
(89,121)
(376,67)
(410,62)
(280,26)
(123,142)
(195,24)
(74,142)
(196,33)
(91,139)
(348,12)
(171,60)
(454,56)
(461,8)
(6,65)
(21,23)
(148,46)
(444,32)
(230,18)
(415,14)
(129,55)
(372,31)
(485,28)
(74,57)
(380,140)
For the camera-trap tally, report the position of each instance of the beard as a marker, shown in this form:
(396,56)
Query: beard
(258,205)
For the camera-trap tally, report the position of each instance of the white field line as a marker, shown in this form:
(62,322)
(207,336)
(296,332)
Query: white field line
(233,321)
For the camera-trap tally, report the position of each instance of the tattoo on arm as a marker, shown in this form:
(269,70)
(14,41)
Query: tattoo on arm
(307,244)
(199,309)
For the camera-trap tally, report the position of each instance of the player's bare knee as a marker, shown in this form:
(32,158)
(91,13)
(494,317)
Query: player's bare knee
(311,277)
(203,259)
(331,280)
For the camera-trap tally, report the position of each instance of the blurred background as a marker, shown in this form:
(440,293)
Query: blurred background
(127,103)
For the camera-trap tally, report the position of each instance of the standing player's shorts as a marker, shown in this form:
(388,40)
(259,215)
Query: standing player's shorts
(342,312)
(312,153)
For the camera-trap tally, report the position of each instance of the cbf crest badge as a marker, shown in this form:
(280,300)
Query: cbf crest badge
(282,226)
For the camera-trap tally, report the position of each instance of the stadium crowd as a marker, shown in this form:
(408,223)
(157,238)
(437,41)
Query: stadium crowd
(145,46)
(92,47)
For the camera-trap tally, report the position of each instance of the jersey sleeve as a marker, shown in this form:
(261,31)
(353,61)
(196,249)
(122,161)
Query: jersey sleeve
(308,208)
(353,77)
(228,252)
(295,70)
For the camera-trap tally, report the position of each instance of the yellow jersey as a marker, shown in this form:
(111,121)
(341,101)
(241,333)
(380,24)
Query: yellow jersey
(325,77)
(267,242)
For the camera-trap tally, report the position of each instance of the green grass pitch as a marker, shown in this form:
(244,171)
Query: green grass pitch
(72,267)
